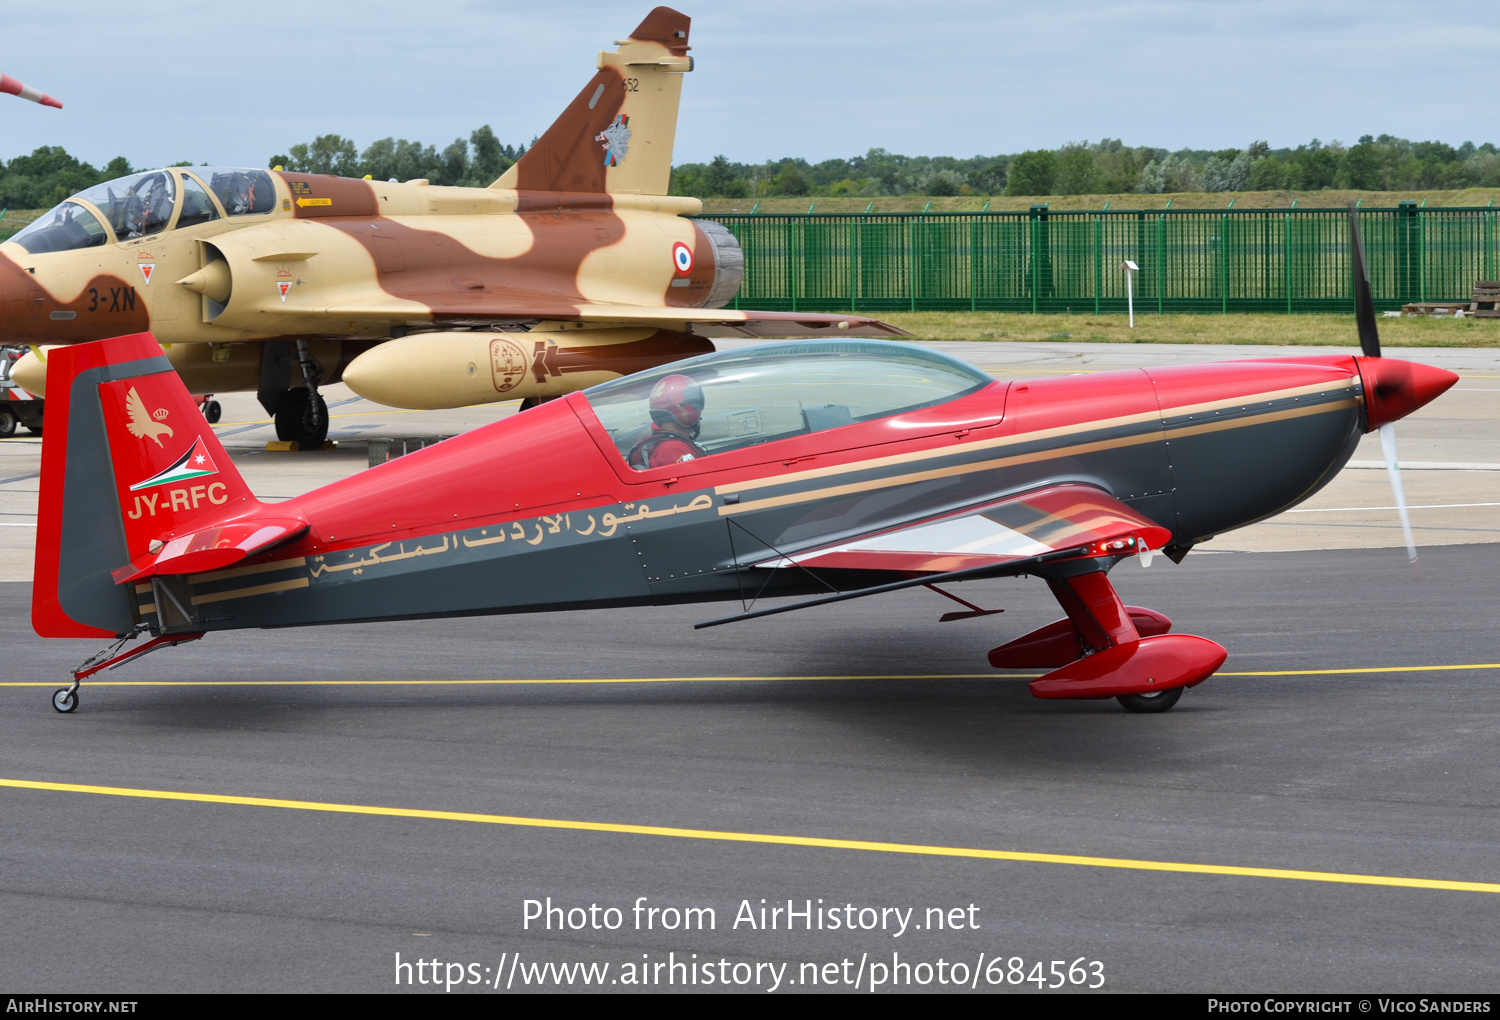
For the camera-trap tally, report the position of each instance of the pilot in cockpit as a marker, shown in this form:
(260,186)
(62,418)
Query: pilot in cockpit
(676,408)
(147,208)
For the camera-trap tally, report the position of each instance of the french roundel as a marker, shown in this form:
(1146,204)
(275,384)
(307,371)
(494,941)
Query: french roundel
(682,256)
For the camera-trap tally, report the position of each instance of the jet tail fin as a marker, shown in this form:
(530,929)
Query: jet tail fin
(134,484)
(616,136)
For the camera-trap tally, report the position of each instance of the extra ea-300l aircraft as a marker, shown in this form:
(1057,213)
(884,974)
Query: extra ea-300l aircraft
(846,468)
(574,267)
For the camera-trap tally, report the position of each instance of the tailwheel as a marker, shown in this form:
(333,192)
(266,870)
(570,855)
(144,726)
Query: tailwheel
(65,699)
(1156,701)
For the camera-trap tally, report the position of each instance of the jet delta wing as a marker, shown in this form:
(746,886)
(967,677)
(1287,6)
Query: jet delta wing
(573,268)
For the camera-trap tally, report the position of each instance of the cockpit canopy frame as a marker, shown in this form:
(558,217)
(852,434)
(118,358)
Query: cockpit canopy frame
(148,203)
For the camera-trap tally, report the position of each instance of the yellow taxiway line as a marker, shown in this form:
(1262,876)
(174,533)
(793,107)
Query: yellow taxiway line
(703,679)
(756,837)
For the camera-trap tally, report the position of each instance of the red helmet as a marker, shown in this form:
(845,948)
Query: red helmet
(678,399)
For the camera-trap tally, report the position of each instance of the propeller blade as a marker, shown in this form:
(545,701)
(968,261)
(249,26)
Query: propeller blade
(1393,469)
(1364,304)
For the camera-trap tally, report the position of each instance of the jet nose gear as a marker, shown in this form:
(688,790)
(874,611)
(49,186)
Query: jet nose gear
(302,414)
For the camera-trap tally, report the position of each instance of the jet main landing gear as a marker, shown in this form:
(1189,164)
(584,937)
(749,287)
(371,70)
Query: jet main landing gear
(302,418)
(302,414)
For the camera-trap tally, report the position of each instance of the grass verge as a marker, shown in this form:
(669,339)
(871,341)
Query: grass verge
(1269,330)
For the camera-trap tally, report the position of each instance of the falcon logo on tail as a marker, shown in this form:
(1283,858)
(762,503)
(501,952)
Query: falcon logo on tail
(140,425)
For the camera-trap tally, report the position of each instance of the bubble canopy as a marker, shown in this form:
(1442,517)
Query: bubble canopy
(775,391)
(143,204)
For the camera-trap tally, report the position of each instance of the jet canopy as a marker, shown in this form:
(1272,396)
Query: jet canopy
(148,203)
(774,391)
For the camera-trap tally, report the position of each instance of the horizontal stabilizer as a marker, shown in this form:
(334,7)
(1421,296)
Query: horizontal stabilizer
(212,548)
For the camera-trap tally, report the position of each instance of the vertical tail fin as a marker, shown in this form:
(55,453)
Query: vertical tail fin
(617,135)
(134,484)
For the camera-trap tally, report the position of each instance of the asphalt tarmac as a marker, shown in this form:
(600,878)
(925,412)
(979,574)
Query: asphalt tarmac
(334,809)
(845,723)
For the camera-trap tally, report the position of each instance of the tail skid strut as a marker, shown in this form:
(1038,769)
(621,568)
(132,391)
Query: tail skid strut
(65,699)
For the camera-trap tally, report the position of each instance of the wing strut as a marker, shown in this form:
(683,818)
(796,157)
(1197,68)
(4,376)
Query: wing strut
(970,574)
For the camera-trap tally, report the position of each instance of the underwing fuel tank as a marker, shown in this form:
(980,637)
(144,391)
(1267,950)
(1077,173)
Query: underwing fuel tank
(430,371)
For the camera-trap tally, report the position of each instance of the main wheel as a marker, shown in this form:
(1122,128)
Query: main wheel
(8,422)
(302,418)
(1158,701)
(213,412)
(65,699)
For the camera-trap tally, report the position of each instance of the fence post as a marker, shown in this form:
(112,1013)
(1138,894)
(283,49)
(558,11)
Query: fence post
(914,271)
(1224,262)
(1286,261)
(1422,254)
(791,260)
(974,265)
(1098,258)
(853,240)
(1489,244)
(1161,260)
(1408,269)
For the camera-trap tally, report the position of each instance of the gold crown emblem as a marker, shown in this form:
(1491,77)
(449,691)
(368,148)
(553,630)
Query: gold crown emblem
(160,414)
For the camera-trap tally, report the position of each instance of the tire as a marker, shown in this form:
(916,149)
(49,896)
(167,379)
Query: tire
(1150,703)
(64,700)
(8,422)
(213,412)
(302,418)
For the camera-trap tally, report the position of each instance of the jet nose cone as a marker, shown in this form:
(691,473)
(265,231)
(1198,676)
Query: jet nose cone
(1394,389)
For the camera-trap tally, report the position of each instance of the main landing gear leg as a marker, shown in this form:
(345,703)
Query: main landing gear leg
(65,699)
(1105,649)
(302,414)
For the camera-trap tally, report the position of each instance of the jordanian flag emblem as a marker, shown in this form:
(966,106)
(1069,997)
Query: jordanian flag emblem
(194,464)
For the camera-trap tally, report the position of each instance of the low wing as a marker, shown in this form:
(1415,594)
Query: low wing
(1035,523)
(1008,536)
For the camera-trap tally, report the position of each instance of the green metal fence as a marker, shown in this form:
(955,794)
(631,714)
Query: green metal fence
(1234,260)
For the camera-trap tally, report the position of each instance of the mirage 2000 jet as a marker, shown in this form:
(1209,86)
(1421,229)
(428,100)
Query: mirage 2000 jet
(573,268)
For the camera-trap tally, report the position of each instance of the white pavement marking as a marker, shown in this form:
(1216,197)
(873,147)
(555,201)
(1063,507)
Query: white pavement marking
(1426,465)
(1351,509)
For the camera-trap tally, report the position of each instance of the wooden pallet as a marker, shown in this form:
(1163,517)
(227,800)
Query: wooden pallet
(1486,300)
(1435,308)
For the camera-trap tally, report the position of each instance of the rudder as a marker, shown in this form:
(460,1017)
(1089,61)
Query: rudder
(617,135)
(128,465)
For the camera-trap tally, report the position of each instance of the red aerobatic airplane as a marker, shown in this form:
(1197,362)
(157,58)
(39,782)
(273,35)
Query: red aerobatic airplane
(845,468)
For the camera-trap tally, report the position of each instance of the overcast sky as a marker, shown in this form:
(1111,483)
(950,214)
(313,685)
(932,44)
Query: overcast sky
(235,83)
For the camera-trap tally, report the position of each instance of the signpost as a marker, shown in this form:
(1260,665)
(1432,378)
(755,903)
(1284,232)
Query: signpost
(1130,270)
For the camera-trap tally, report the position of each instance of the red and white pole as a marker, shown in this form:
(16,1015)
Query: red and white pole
(15,88)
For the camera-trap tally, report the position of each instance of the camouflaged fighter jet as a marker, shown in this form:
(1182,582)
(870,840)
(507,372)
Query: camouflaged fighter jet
(573,268)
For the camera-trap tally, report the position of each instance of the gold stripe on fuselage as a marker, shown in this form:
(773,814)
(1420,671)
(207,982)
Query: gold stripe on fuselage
(259,589)
(1027,458)
(257,568)
(1031,437)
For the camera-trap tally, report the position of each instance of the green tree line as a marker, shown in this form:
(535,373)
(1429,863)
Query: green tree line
(1384,163)
(474,163)
(1108,167)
